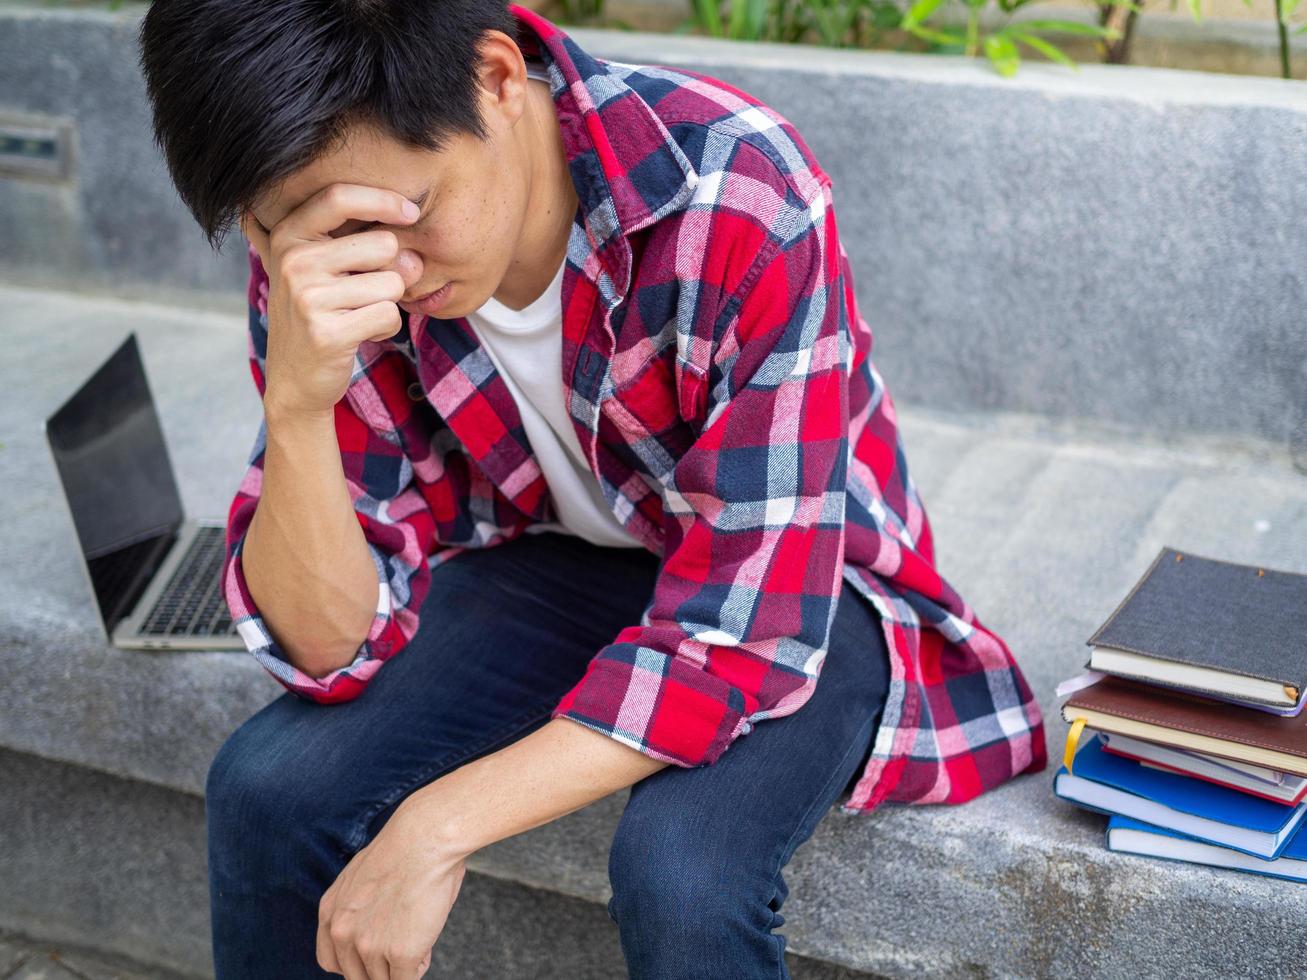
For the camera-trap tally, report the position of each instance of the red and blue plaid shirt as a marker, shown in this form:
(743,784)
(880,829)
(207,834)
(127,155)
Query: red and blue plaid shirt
(720,381)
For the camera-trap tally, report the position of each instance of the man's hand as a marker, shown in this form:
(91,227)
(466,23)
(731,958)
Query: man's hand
(396,893)
(387,908)
(326,295)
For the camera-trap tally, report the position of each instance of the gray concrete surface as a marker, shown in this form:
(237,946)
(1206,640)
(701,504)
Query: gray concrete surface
(24,958)
(1042,524)
(1120,244)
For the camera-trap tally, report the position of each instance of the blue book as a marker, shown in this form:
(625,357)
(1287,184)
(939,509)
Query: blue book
(1111,784)
(1130,836)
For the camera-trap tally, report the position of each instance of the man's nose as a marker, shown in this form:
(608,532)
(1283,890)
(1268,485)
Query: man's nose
(408,264)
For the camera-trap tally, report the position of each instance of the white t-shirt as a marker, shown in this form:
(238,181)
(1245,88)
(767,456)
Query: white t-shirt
(526,347)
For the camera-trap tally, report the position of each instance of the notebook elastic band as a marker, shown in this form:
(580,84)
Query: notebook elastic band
(1072,740)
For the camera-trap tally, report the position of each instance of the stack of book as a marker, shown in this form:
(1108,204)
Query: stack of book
(1187,727)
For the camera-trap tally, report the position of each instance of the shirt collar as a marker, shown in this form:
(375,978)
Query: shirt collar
(629,170)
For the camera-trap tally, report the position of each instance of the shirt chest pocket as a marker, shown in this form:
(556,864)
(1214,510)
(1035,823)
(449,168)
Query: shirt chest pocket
(659,407)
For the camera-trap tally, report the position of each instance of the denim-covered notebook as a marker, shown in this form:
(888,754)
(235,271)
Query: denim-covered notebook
(1208,625)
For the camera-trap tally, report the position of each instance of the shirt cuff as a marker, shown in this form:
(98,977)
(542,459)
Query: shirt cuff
(658,704)
(342,684)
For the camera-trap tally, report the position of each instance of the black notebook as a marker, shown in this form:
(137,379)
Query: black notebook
(1205,624)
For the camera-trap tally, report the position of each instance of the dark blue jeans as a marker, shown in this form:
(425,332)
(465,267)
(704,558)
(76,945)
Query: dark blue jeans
(695,864)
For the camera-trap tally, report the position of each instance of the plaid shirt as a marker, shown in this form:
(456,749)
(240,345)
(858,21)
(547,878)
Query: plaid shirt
(720,381)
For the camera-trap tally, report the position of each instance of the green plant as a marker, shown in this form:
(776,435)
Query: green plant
(581,11)
(861,23)
(1000,46)
(1283,11)
(1117,51)
(834,23)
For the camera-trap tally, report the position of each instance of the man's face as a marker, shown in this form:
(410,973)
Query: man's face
(472,197)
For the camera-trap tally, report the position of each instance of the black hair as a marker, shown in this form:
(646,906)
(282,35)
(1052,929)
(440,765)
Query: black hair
(245,92)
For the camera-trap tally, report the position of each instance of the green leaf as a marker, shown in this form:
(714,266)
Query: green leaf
(709,16)
(885,16)
(1070,27)
(1301,30)
(1287,8)
(1051,51)
(939,37)
(1003,54)
(918,12)
(1195,8)
(736,12)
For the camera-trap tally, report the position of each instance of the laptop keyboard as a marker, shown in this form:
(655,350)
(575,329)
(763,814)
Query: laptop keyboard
(192,602)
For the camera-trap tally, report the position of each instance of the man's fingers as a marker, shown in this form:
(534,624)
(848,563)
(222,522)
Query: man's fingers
(363,251)
(351,293)
(352,963)
(326,950)
(335,204)
(376,322)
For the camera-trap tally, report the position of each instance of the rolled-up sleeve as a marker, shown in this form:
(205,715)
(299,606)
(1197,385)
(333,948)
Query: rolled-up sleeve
(396,520)
(740,617)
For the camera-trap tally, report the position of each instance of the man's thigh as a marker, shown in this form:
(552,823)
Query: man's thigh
(736,823)
(503,633)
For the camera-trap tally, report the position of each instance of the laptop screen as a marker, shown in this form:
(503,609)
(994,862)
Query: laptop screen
(109,450)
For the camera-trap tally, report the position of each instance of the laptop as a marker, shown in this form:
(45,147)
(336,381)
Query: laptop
(156,575)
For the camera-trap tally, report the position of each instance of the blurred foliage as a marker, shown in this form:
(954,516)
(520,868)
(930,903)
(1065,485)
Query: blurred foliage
(834,23)
(1284,10)
(868,23)
(940,26)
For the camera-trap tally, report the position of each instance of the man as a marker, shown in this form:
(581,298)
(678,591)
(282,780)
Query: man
(570,476)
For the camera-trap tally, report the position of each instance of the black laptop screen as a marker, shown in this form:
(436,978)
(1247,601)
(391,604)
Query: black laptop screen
(109,449)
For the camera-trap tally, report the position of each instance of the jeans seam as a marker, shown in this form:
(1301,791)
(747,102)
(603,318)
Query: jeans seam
(447,762)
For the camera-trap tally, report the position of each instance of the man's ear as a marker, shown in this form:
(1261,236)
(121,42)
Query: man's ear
(492,70)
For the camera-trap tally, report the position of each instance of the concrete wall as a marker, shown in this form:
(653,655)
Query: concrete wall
(1120,244)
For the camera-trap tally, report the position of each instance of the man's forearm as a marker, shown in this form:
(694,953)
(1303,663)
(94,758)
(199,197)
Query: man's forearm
(558,768)
(305,557)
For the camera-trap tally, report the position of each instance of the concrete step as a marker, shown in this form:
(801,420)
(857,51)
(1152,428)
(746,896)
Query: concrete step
(111,873)
(1041,524)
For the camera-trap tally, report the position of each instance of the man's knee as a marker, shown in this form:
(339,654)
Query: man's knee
(258,782)
(677,885)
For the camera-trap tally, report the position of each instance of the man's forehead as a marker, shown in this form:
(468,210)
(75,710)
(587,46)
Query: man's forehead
(365,158)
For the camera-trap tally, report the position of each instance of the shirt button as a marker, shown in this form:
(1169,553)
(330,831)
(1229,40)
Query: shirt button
(415,392)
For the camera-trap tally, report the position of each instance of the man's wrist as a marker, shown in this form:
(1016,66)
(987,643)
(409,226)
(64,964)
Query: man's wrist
(281,416)
(430,808)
